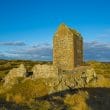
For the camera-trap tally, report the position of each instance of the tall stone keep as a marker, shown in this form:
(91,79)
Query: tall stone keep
(67,48)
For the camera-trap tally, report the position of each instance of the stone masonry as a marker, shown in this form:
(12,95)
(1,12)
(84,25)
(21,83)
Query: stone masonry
(67,48)
(44,71)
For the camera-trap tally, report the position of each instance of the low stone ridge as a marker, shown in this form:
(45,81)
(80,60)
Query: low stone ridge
(13,74)
(44,71)
(57,80)
(79,79)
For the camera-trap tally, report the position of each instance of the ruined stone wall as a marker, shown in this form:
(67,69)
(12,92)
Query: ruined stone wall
(63,49)
(78,50)
(67,48)
(44,71)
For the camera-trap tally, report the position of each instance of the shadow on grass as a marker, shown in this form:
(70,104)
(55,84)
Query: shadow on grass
(4,105)
(99,98)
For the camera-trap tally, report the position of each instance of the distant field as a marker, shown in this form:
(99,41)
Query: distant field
(100,67)
(6,65)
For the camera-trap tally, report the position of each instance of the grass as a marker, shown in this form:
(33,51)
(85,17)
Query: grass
(77,101)
(24,94)
(27,90)
(100,68)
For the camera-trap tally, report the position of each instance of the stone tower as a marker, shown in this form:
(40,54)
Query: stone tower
(67,48)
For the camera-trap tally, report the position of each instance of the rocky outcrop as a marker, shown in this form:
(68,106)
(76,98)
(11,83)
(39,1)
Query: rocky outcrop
(80,78)
(13,74)
(57,81)
(44,71)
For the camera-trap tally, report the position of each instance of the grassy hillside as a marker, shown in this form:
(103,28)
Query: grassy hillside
(102,68)
(30,94)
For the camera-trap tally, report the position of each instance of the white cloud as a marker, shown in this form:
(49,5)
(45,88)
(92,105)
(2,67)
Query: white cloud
(38,52)
(104,35)
(16,43)
(97,51)
(92,51)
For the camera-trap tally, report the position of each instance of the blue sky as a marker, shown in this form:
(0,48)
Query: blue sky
(27,27)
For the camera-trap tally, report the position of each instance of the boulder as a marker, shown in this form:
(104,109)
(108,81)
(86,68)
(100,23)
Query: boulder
(82,77)
(44,71)
(13,74)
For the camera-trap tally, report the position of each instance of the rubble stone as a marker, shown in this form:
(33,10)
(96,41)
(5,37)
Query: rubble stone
(44,71)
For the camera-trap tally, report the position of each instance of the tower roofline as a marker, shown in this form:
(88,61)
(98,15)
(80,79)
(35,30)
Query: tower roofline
(62,25)
(73,31)
(76,33)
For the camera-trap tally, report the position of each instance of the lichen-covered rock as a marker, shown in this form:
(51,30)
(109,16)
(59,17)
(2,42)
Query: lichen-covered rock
(80,79)
(90,74)
(13,74)
(44,71)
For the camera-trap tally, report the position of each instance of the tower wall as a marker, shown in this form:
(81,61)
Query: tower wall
(67,49)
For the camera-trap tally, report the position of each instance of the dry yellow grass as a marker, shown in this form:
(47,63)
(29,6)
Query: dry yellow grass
(77,101)
(97,96)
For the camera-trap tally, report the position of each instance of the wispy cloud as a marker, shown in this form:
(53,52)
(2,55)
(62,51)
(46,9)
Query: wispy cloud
(16,43)
(92,51)
(36,52)
(104,35)
(97,51)
(1,55)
